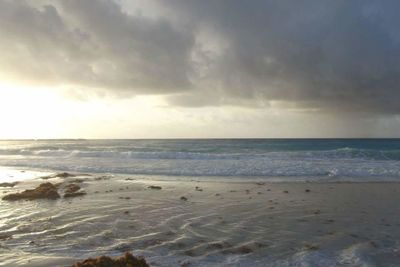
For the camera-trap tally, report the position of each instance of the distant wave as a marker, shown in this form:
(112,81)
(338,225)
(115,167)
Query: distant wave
(349,153)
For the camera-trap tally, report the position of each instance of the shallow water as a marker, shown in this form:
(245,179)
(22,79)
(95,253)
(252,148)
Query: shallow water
(247,224)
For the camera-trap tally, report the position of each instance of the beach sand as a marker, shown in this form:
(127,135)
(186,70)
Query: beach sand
(199,223)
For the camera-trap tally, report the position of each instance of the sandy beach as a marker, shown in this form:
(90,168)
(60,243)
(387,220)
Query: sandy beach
(198,223)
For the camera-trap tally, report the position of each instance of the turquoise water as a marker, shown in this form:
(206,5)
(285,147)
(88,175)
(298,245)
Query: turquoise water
(274,159)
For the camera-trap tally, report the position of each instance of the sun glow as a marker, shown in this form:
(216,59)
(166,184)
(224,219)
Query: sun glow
(29,112)
(42,112)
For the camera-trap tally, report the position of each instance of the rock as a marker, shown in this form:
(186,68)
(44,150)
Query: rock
(156,187)
(198,188)
(308,190)
(8,184)
(43,191)
(286,192)
(127,260)
(184,198)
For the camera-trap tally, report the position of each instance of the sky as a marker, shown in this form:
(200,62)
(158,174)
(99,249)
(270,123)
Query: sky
(199,69)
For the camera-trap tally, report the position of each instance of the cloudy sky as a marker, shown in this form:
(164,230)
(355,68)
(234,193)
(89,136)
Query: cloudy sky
(190,68)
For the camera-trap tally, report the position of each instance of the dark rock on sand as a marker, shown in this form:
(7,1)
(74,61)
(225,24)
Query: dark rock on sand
(184,198)
(127,260)
(43,191)
(8,184)
(156,187)
(308,190)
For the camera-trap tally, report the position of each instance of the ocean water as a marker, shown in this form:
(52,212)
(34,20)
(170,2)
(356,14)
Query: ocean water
(267,159)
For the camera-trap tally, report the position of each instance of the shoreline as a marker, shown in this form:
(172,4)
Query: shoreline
(39,172)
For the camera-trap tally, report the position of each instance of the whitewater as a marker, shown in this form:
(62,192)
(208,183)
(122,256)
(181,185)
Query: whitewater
(287,160)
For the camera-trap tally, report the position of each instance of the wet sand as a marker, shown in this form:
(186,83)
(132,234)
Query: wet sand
(194,223)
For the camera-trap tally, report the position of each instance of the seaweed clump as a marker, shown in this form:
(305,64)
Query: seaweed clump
(43,191)
(8,184)
(71,190)
(127,260)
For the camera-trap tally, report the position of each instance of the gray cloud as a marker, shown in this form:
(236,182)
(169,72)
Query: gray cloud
(92,43)
(319,54)
(342,55)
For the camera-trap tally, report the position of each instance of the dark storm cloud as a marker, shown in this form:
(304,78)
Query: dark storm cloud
(323,54)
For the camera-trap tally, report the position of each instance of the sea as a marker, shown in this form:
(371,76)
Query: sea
(314,160)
